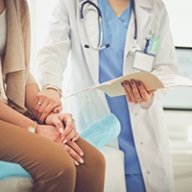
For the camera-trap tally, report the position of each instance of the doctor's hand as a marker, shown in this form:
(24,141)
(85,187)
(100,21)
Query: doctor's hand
(45,102)
(136,91)
(65,124)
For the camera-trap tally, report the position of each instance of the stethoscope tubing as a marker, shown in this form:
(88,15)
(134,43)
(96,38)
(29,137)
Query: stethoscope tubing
(99,46)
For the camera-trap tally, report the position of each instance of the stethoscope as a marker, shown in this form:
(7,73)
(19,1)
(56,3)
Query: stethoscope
(134,46)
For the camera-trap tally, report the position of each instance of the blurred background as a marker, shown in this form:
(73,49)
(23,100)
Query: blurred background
(177,104)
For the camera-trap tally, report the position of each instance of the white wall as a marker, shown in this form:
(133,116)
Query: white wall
(180,21)
(41,11)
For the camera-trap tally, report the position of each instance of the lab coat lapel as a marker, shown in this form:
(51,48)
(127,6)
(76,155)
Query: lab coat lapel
(90,24)
(142,8)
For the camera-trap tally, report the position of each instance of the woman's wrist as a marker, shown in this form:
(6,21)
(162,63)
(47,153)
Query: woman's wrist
(32,128)
(48,119)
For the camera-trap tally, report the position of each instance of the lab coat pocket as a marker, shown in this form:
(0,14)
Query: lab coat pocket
(158,125)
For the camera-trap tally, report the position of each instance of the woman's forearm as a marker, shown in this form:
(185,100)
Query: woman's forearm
(11,116)
(31,91)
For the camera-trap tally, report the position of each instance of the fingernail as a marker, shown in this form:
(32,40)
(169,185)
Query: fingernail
(39,122)
(81,161)
(76,163)
(57,111)
(122,84)
(126,83)
(81,153)
(138,83)
(65,141)
(132,82)
(61,130)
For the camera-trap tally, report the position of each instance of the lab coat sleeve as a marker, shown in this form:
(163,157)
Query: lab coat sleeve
(165,60)
(52,58)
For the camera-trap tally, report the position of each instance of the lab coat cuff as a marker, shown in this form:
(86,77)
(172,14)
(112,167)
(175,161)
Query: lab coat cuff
(48,86)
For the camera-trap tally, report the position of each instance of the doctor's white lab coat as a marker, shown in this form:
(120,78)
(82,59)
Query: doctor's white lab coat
(67,38)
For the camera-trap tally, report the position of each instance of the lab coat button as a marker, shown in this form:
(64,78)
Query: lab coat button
(148,172)
(141,143)
(135,114)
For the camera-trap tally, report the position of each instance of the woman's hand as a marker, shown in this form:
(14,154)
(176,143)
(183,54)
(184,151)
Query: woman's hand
(74,151)
(54,135)
(45,102)
(65,124)
(136,91)
(49,132)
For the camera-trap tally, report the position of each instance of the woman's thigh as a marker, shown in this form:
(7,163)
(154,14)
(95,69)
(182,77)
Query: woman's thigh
(90,174)
(41,157)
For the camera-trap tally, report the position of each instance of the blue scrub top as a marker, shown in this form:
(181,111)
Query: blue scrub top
(110,67)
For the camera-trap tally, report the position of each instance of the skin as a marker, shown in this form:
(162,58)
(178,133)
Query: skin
(136,92)
(50,102)
(54,121)
(118,6)
(2,6)
(65,127)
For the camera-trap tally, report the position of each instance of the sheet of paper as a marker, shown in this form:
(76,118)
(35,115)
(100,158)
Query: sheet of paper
(151,81)
(171,80)
(114,88)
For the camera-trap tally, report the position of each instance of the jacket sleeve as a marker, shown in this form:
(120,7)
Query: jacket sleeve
(52,58)
(30,79)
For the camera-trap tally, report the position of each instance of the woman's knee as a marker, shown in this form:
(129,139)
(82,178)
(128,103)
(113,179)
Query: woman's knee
(63,168)
(92,171)
(59,177)
(97,161)
(93,157)
(55,163)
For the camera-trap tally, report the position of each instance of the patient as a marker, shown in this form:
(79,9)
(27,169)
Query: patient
(54,155)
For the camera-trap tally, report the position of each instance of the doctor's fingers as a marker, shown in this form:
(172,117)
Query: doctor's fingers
(128,90)
(132,92)
(58,109)
(45,109)
(146,95)
(136,90)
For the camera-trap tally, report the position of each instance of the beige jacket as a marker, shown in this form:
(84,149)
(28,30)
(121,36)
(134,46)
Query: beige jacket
(15,62)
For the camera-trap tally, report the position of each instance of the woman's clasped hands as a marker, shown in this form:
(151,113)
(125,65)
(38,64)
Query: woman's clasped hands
(61,129)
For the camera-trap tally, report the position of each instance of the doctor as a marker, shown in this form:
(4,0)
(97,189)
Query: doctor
(95,41)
